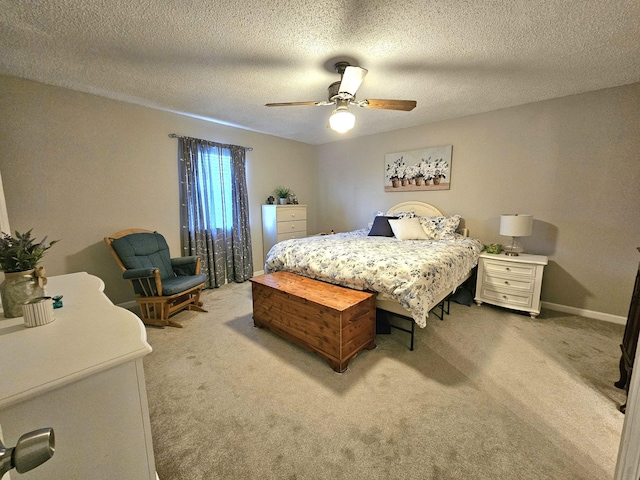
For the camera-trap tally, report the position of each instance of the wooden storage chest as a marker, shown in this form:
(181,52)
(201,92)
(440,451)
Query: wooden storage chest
(332,321)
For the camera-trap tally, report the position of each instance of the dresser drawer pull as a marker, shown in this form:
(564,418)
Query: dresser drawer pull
(506,282)
(505,297)
(507,269)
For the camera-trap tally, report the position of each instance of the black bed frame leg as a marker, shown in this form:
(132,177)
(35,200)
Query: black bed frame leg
(413,331)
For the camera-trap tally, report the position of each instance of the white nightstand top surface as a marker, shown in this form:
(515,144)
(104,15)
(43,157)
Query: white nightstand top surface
(522,258)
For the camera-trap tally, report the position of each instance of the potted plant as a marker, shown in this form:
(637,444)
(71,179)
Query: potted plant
(23,279)
(440,171)
(395,171)
(283,194)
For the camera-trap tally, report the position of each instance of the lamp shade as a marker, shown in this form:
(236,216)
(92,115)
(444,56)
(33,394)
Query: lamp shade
(516,225)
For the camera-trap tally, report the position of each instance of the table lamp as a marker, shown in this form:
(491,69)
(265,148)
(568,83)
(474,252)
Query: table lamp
(515,225)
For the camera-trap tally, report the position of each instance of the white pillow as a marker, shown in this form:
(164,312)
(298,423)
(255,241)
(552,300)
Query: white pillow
(408,229)
(440,228)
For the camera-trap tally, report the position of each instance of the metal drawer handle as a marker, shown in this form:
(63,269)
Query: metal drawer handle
(33,449)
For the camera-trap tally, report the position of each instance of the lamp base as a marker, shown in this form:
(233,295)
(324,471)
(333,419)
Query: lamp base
(514,249)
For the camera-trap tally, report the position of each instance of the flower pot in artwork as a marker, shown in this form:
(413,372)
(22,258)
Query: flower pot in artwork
(405,182)
(395,183)
(17,288)
(418,181)
(436,180)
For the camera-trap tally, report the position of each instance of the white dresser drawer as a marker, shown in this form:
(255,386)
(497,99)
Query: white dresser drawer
(291,213)
(507,299)
(290,235)
(497,267)
(508,282)
(292,226)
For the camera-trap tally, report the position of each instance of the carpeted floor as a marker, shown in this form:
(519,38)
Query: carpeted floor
(486,394)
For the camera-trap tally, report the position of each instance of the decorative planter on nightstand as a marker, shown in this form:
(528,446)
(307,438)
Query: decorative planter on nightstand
(511,281)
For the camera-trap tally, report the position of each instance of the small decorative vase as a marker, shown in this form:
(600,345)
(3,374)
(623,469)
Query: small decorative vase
(17,288)
(282,201)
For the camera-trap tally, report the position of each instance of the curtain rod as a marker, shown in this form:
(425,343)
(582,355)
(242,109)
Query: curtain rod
(175,135)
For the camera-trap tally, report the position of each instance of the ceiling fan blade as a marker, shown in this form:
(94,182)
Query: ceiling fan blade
(290,104)
(404,105)
(351,79)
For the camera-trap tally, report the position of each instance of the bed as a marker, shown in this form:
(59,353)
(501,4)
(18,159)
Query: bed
(409,276)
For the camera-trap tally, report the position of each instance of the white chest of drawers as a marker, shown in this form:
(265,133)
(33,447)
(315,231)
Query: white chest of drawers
(282,222)
(511,281)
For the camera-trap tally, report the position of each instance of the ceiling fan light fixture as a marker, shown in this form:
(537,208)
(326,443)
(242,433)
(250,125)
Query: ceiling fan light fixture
(342,120)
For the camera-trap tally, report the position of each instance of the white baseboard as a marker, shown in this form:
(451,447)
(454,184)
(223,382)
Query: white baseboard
(607,317)
(258,273)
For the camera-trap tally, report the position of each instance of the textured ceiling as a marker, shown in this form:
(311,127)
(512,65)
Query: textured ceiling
(224,60)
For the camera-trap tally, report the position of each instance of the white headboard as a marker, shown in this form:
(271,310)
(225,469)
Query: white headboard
(421,209)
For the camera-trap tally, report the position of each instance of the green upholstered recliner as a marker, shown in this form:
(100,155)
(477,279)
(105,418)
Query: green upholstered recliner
(163,285)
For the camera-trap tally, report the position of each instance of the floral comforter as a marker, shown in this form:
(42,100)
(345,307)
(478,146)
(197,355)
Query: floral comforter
(412,272)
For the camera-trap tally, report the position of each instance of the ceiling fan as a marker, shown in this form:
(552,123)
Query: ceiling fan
(343,93)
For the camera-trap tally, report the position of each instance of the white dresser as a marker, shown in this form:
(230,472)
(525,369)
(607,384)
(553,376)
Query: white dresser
(282,222)
(511,281)
(82,375)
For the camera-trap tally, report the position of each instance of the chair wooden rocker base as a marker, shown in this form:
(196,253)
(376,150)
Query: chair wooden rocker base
(162,285)
(155,311)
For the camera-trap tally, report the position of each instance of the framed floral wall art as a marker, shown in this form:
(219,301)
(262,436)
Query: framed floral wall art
(426,169)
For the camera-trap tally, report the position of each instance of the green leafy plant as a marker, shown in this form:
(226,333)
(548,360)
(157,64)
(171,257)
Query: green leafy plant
(282,192)
(21,252)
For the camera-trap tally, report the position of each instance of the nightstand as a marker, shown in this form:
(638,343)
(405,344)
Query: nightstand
(510,281)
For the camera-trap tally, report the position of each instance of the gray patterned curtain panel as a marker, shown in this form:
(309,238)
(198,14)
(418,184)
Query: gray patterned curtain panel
(214,209)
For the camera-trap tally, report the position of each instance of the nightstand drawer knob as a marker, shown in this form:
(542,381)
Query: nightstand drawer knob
(507,269)
(506,282)
(505,297)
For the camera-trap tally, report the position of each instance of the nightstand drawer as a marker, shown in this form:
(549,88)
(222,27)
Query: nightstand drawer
(497,267)
(500,282)
(506,299)
(292,226)
(291,213)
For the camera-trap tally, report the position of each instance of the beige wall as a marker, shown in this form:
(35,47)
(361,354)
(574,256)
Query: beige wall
(78,167)
(573,162)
